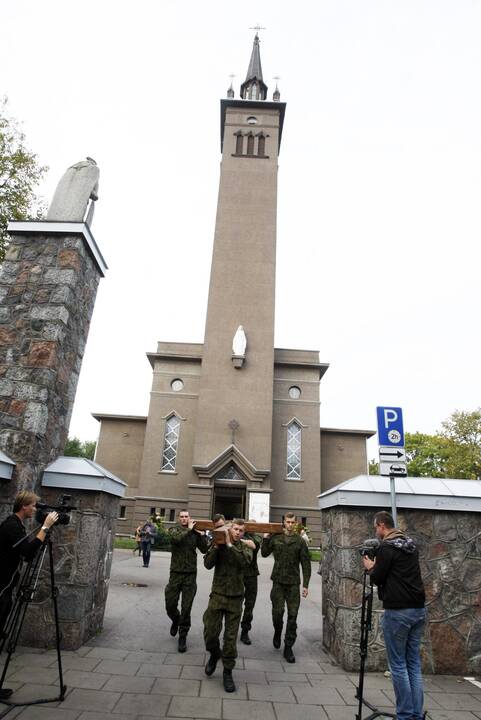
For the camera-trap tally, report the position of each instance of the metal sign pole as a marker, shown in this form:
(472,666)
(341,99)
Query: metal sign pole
(392,482)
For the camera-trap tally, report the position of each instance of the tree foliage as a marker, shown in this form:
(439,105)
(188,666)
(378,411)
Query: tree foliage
(453,452)
(79,448)
(20,173)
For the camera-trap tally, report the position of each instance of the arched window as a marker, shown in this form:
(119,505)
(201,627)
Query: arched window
(261,147)
(294,437)
(171,441)
(239,143)
(253,92)
(250,144)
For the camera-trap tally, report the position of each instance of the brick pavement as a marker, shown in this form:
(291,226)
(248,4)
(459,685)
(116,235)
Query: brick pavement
(138,674)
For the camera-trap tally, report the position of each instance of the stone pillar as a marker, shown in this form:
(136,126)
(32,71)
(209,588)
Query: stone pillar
(48,284)
(449,545)
(82,553)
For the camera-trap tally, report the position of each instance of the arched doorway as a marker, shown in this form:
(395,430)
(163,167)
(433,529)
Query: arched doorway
(229,493)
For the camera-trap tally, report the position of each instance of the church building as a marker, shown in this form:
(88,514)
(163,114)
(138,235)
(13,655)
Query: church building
(233,423)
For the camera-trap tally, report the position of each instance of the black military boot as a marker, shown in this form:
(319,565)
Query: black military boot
(276,640)
(288,654)
(245,637)
(182,642)
(174,627)
(229,685)
(212,663)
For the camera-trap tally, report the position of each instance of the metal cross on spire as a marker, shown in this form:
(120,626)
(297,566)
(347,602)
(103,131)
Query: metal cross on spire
(257,27)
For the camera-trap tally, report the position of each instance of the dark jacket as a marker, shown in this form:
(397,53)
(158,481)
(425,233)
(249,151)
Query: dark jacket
(289,552)
(184,545)
(397,573)
(229,563)
(252,570)
(11,531)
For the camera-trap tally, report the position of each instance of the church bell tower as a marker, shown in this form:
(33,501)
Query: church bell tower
(234,425)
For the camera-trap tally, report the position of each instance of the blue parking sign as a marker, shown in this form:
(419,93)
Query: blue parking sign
(390,426)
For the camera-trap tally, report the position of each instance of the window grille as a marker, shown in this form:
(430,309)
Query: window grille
(171,441)
(294,432)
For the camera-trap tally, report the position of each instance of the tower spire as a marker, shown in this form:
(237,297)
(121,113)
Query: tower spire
(253,87)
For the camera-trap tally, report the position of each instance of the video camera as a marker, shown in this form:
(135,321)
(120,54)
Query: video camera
(63,508)
(369,548)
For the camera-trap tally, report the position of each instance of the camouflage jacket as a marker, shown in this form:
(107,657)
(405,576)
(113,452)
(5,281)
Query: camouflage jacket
(229,564)
(252,570)
(289,552)
(184,545)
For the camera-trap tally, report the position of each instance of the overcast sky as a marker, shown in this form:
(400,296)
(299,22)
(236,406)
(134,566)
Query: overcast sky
(379,224)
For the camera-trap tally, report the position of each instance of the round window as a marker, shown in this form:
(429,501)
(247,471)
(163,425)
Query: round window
(177,385)
(252,120)
(294,392)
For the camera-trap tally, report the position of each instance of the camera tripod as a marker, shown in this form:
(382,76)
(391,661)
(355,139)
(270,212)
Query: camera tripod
(13,626)
(366,624)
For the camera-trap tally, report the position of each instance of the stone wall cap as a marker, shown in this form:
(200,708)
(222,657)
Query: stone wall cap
(411,492)
(21,227)
(76,473)
(6,466)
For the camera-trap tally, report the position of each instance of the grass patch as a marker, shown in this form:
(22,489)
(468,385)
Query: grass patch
(125,543)
(315,555)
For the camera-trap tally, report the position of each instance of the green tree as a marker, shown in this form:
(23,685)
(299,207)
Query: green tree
(462,432)
(20,173)
(79,448)
(373,467)
(426,455)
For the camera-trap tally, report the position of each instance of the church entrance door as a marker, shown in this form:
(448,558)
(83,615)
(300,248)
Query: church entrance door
(230,501)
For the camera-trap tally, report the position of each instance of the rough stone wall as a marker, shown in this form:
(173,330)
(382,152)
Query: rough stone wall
(82,553)
(48,285)
(450,556)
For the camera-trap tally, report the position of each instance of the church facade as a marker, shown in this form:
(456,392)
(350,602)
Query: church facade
(233,423)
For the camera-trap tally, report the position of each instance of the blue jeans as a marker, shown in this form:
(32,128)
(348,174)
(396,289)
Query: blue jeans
(146,546)
(403,630)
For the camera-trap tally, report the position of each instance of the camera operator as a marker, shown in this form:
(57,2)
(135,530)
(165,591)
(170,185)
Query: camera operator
(14,545)
(396,572)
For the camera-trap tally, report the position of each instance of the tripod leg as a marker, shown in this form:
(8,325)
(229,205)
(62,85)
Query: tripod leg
(54,593)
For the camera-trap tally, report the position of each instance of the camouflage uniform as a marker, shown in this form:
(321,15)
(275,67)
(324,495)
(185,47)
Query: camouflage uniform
(183,574)
(289,552)
(225,601)
(250,583)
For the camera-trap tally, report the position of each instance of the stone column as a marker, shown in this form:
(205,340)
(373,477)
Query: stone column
(449,544)
(48,284)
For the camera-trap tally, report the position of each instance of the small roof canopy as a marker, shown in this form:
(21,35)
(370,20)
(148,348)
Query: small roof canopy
(6,467)
(422,493)
(76,473)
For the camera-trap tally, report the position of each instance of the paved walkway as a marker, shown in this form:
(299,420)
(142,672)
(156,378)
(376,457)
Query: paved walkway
(133,671)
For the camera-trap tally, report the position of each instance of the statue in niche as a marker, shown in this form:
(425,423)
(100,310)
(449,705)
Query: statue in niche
(76,191)
(239,343)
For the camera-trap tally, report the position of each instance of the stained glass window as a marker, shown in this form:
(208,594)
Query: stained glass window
(294,433)
(171,440)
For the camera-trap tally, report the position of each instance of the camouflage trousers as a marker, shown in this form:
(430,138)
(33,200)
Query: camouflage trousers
(185,584)
(250,595)
(282,595)
(222,608)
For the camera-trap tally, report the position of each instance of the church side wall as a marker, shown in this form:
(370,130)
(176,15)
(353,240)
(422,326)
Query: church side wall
(164,489)
(300,496)
(343,456)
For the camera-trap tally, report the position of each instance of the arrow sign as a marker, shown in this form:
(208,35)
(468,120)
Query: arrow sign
(392,454)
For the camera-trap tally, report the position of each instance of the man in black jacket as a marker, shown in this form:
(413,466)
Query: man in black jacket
(396,572)
(15,545)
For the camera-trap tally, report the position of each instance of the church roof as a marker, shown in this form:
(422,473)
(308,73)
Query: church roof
(255,69)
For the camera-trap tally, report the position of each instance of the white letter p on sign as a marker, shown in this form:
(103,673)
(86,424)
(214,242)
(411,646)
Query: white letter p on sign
(390,416)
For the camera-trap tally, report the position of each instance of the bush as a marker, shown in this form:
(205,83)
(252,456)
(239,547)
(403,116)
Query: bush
(162,539)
